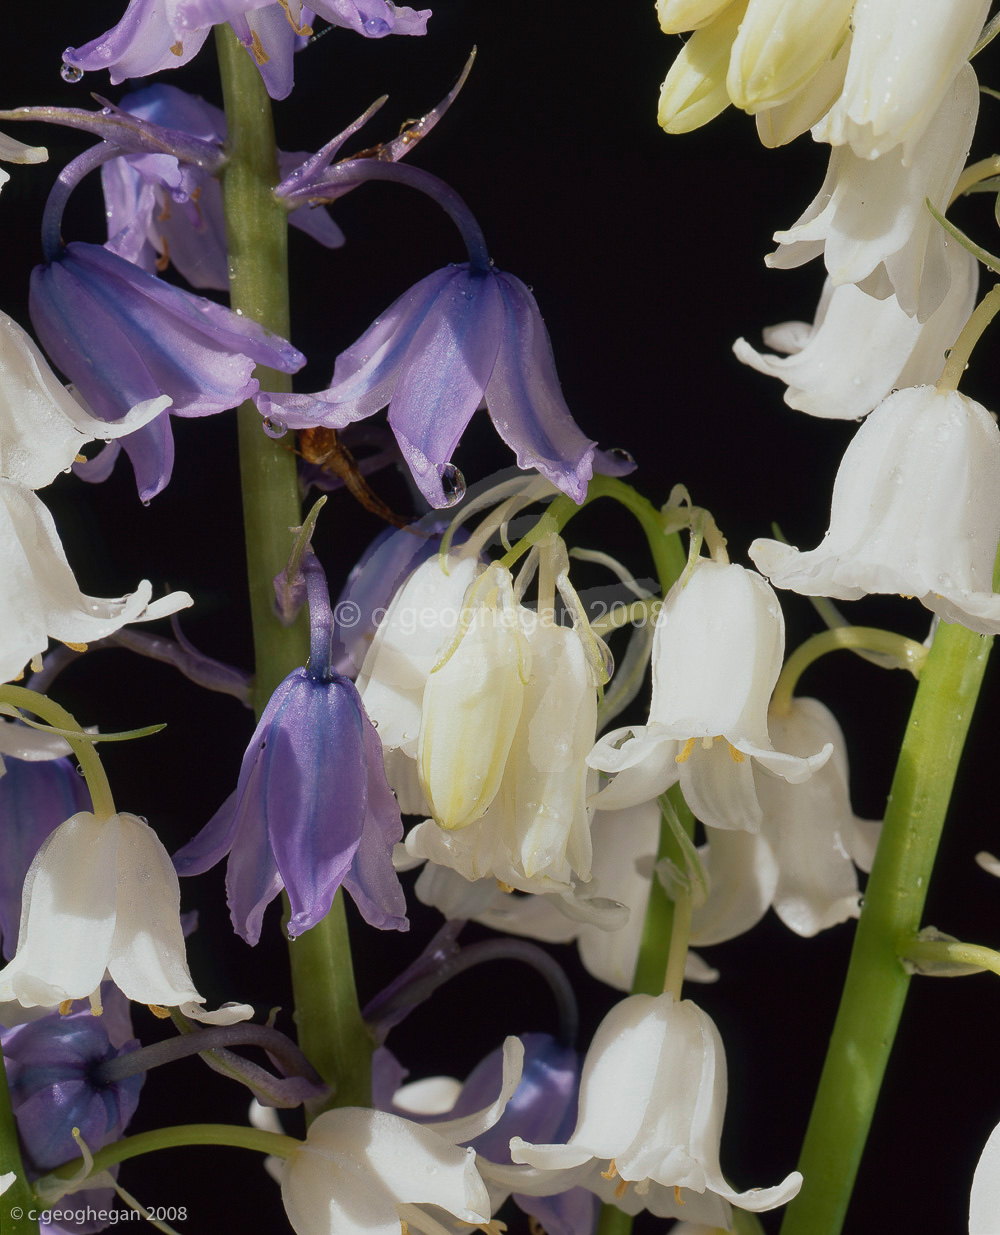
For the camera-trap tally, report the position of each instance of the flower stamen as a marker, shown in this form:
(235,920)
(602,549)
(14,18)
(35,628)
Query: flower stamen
(685,754)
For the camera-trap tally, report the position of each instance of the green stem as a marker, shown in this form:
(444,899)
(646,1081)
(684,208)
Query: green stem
(171,1138)
(19,1195)
(935,953)
(906,652)
(257,235)
(958,357)
(87,756)
(876,984)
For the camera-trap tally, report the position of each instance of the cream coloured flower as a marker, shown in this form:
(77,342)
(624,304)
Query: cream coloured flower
(859,348)
(984,1203)
(364,1172)
(13,151)
(905,56)
(914,512)
(42,427)
(41,599)
(717,652)
(869,219)
(652,1101)
(101,898)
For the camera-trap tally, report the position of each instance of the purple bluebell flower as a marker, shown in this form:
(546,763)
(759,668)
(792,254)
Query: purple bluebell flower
(159,208)
(461,336)
(312,810)
(36,796)
(154,35)
(124,337)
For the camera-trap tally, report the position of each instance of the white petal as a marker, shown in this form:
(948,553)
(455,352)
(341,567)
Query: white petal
(147,959)
(470,1126)
(988,863)
(67,916)
(13,151)
(643,761)
(42,427)
(984,1203)
(905,57)
(742,875)
(23,742)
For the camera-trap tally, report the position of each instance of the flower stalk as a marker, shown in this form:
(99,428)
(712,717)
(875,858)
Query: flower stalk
(331,1032)
(877,982)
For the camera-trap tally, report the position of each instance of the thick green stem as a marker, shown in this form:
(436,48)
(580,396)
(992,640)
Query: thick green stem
(876,984)
(331,1032)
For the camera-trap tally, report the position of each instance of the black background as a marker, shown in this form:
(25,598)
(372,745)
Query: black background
(645,253)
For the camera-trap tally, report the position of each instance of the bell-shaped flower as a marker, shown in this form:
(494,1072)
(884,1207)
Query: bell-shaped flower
(124,337)
(153,36)
(781,46)
(40,597)
(858,348)
(984,1203)
(461,336)
(802,862)
(676,16)
(869,219)
(913,512)
(101,897)
(652,1101)
(779,125)
(312,810)
(717,652)
(42,427)
(363,1172)
(472,703)
(50,1067)
(904,60)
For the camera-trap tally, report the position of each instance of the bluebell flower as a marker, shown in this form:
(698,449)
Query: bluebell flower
(463,335)
(312,810)
(159,208)
(124,337)
(154,35)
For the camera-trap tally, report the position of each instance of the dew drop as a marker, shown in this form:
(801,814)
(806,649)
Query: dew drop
(376,27)
(861,902)
(274,427)
(70,73)
(79,771)
(145,501)
(453,484)
(621,456)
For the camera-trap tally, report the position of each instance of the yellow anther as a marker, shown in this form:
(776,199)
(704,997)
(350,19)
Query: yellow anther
(621,1189)
(77,647)
(611,1172)
(685,754)
(304,31)
(177,48)
(160,1013)
(403,1228)
(677,1195)
(737,756)
(66,1007)
(535,1227)
(505,887)
(96,1007)
(257,49)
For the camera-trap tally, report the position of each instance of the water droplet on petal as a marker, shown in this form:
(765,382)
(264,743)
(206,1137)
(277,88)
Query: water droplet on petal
(70,73)
(145,501)
(621,456)
(453,484)
(274,427)
(375,27)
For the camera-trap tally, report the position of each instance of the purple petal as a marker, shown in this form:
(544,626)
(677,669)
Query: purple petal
(142,43)
(279,41)
(96,470)
(315,221)
(364,375)
(151,452)
(372,880)
(574,1212)
(316,792)
(525,400)
(212,843)
(373,18)
(444,374)
(252,878)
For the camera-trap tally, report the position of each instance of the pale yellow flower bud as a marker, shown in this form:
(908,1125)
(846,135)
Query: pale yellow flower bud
(678,15)
(694,91)
(781,45)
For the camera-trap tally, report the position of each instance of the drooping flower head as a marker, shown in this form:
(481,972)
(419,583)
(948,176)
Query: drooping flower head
(124,337)
(913,512)
(717,652)
(312,810)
